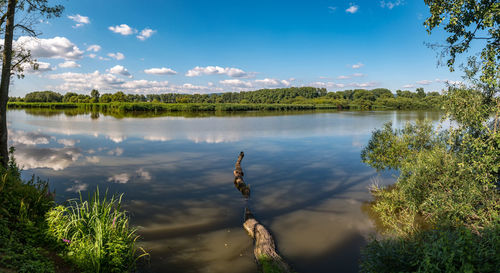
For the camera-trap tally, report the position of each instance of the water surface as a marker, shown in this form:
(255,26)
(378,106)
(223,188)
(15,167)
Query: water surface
(307,181)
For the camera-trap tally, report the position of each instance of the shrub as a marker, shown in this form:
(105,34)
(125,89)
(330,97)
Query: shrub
(96,234)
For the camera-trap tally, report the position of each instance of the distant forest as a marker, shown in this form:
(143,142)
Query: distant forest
(347,99)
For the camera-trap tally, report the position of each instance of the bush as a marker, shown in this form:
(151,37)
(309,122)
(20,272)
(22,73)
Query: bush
(455,250)
(22,223)
(96,234)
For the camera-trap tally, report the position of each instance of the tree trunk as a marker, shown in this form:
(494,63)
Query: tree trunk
(5,81)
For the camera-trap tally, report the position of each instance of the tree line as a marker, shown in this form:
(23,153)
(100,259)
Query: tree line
(355,99)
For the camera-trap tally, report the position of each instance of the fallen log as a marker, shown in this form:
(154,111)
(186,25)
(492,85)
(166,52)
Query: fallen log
(238,178)
(264,247)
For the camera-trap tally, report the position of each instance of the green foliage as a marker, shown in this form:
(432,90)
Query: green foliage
(43,96)
(458,250)
(22,223)
(294,98)
(448,182)
(466,21)
(96,233)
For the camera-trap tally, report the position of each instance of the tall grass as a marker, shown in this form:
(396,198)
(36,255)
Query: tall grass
(96,233)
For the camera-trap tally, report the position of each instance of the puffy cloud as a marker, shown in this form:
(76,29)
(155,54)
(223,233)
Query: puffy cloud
(67,142)
(52,158)
(160,71)
(143,174)
(78,187)
(119,70)
(236,83)
(328,85)
(118,56)
(87,81)
(93,159)
(122,29)
(390,4)
(117,152)
(80,20)
(94,48)
(69,64)
(424,82)
(92,55)
(28,138)
(42,67)
(57,47)
(119,178)
(144,84)
(216,70)
(352,9)
(343,77)
(145,33)
(358,65)
(364,84)
(272,83)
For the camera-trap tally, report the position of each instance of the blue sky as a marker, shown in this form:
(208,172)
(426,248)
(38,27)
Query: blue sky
(214,46)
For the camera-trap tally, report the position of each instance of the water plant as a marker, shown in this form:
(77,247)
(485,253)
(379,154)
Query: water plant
(96,233)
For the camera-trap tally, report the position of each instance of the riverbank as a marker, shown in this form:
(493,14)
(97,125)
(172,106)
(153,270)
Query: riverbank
(205,107)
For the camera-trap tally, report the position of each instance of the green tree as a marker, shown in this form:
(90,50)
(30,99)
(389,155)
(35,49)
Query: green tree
(95,95)
(466,21)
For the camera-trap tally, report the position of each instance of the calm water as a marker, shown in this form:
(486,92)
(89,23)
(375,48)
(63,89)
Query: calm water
(307,181)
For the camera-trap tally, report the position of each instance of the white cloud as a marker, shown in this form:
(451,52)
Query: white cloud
(332,9)
(390,4)
(80,20)
(145,33)
(236,83)
(78,187)
(42,67)
(145,85)
(93,159)
(122,29)
(216,70)
(28,138)
(160,71)
(343,77)
(358,75)
(118,151)
(143,174)
(328,84)
(94,48)
(364,84)
(119,70)
(92,55)
(118,56)
(352,9)
(52,158)
(408,86)
(67,142)
(87,81)
(358,65)
(272,83)
(119,178)
(424,82)
(57,48)
(69,64)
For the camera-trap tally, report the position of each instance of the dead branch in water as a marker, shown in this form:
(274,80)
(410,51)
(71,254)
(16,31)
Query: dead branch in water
(264,247)
(238,178)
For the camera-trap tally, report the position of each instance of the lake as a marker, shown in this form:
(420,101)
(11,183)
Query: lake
(308,182)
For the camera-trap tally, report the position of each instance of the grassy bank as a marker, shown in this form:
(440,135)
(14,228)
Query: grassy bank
(204,107)
(37,236)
